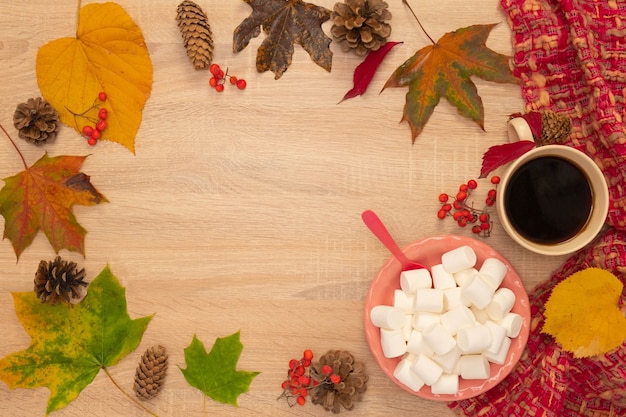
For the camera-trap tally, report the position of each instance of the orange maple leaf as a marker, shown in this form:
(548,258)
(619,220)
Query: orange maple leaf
(41,198)
(443,69)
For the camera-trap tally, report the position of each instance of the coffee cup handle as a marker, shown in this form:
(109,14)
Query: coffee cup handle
(519,129)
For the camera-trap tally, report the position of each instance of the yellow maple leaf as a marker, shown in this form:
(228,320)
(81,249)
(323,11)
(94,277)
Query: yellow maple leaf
(108,54)
(583,313)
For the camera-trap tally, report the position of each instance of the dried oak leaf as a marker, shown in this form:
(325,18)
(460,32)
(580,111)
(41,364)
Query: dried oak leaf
(41,198)
(285,22)
(443,69)
(583,313)
(107,54)
(72,343)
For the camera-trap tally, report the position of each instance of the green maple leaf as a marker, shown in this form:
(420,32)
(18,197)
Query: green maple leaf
(443,69)
(71,343)
(215,373)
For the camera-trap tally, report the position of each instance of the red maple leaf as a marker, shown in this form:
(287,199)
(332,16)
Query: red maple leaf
(41,198)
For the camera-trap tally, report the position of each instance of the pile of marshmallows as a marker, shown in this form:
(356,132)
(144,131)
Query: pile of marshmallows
(449,322)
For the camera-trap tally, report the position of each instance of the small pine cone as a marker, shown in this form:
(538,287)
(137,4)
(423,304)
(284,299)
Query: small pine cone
(359,25)
(555,128)
(36,121)
(350,388)
(150,374)
(196,32)
(58,280)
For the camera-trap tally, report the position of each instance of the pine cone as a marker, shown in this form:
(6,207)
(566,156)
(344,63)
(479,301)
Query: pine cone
(56,280)
(350,388)
(196,32)
(36,121)
(555,127)
(150,374)
(359,25)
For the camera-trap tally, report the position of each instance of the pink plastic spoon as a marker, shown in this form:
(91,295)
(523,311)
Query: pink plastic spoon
(373,222)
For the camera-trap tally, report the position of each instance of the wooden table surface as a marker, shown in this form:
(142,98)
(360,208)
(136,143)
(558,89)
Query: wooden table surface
(240,211)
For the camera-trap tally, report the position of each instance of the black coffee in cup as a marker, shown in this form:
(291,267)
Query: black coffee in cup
(548,200)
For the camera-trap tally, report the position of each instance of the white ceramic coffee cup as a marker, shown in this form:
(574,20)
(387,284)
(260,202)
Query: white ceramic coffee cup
(599,206)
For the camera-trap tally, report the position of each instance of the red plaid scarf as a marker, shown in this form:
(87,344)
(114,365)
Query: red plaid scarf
(571,58)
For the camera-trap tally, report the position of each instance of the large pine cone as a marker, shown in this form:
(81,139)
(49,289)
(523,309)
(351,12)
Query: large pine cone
(349,389)
(58,280)
(36,121)
(150,374)
(359,25)
(196,31)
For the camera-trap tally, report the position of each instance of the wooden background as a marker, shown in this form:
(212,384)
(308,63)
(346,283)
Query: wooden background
(241,210)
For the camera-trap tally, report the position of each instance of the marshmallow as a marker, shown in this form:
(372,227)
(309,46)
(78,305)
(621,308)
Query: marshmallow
(429,299)
(405,375)
(464,275)
(501,304)
(453,297)
(407,329)
(474,367)
(442,279)
(493,271)
(414,279)
(387,317)
(457,318)
(478,292)
(474,339)
(449,361)
(427,369)
(498,333)
(439,339)
(446,384)
(480,315)
(459,259)
(403,301)
(417,345)
(392,343)
(512,323)
(422,320)
(500,357)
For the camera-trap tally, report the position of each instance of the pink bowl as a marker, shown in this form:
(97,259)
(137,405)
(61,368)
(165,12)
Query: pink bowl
(428,252)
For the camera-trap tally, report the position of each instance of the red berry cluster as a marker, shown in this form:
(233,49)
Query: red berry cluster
(94,131)
(218,80)
(299,380)
(464,213)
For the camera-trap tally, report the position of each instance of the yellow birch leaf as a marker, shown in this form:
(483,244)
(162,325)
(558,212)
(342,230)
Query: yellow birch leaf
(583,314)
(108,54)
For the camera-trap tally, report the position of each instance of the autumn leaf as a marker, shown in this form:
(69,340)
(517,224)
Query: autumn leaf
(215,373)
(499,155)
(71,343)
(108,54)
(443,69)
(583,313)
(41,198)
(366,70)
(285,22)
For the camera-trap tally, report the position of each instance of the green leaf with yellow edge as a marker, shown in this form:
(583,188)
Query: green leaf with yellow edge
(583,314)
(108,54)
(42,197)
(71,343)
(443,69)
(215,373)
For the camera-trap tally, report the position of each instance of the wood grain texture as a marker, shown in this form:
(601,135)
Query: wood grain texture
(241,210)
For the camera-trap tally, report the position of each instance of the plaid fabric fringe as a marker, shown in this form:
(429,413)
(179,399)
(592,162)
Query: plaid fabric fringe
(571,58)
